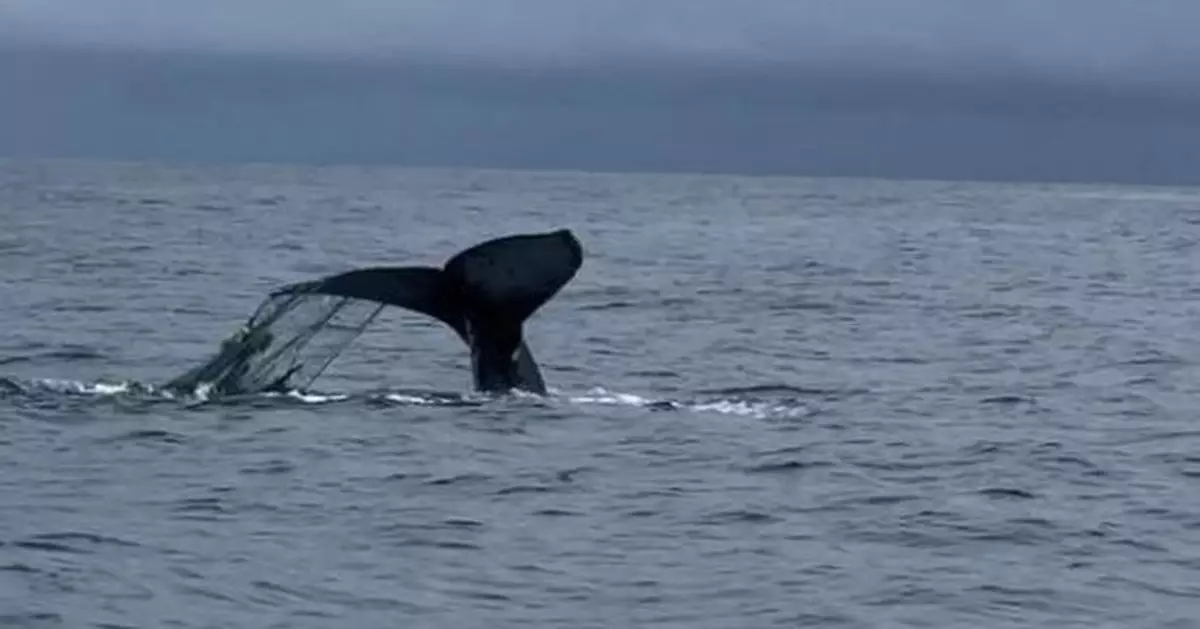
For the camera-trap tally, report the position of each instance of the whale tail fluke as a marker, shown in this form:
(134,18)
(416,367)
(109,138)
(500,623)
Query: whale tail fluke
(484,293)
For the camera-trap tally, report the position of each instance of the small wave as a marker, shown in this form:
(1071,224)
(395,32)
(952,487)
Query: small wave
(739,515)
(269,468)
(89,538)
(555,512)
(212,207)
(468,477)
(1006,400)
(786,466)
(1007,492)
(467,523)
(653,373)
(69,354)
(148,434)
(52,547)
(611,305)
(524,489)
(774,389)
(42,619)
(70,542)
(8,386)
(209,505)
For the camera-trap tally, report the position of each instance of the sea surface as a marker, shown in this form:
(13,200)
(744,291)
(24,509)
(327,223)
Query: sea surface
(775,403)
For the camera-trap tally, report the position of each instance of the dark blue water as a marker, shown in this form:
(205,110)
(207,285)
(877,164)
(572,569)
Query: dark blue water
(776,402)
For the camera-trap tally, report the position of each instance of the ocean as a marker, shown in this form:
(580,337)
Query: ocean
(775,402)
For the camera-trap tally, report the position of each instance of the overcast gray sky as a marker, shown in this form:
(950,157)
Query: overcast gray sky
(1098,89)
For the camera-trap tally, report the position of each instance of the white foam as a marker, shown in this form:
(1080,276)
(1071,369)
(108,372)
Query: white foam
(104,388)
(75,386)
(317,398)
(599,395)
(203,392)
(517,393)
(757,409)
(406,399)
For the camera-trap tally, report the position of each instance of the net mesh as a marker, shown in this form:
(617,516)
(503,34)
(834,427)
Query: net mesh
(286,344)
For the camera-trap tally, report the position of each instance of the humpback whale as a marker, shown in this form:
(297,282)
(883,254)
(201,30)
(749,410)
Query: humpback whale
(484,293)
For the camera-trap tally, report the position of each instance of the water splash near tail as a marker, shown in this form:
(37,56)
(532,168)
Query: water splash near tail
(755,402)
